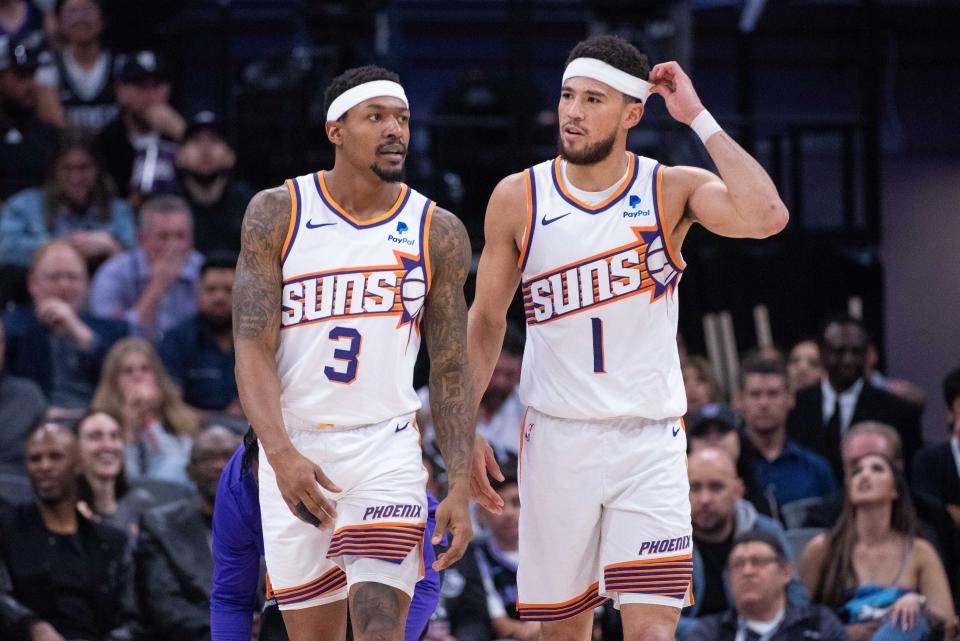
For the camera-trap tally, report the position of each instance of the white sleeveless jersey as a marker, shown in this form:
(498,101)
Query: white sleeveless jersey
(353,295)
(600,298)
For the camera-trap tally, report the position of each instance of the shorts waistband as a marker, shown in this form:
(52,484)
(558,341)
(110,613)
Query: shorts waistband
(291,420)
(633,422)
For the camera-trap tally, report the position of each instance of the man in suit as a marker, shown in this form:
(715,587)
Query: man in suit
(174,560)
(936,476)
(825,411)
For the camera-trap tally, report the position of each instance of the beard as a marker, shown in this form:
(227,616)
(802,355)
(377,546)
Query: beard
(218,324)
(204,179)
(591,154)
(388,175)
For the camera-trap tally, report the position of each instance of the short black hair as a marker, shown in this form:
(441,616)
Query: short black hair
(766,366)
(762,536)
(219,259)
(58,6)
(842,318)
(951,387)
(616,52)
(251,448)
(353,78)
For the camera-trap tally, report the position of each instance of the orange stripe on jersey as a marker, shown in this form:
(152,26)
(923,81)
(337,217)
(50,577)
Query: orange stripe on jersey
(425,246)
(401,197)
(587,600)
(294,219)
(662,218)
(529,219)
(617,195)
(653,562)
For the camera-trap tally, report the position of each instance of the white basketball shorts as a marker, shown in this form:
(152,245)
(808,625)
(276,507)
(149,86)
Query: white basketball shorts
(381,515)
(605,514)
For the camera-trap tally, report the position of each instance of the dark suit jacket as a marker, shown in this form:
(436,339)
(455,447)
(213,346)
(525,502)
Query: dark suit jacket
(174,571)
(97,603)
(935,478)
(28,346)
(807,425)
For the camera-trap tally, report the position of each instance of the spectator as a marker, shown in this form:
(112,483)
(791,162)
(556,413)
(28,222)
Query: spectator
(789,470)
(715,425)
(19,18)
(803,364)
(76,89)
(198,353)
(77,204)
(699,382)
(26,143)
(719,513)
(64,577)
(104,493)
(871,568)
(759,574)
(140,144)
(823,413)
(936,478)
(174,560)
(205,163)
(22,406)
(157,425)
(154,286)
(52,341)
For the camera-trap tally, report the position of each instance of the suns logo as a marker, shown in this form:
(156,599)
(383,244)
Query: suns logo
(381,290)
(641,266)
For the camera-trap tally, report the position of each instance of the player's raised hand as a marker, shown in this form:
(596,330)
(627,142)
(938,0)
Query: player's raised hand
(484,463)
(674,86)
(299,480)
(453,514)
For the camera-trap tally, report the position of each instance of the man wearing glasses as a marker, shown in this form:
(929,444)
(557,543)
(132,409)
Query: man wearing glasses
(759,575)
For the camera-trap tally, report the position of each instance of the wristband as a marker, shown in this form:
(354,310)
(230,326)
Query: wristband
(704,125)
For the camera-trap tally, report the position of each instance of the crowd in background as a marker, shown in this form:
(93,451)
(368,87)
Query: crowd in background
(814,501)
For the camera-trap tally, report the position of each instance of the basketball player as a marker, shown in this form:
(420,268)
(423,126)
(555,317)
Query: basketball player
(336,272)
(594,237)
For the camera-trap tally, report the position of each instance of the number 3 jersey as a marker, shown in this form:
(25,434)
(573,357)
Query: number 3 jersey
(599,283)
(353,296)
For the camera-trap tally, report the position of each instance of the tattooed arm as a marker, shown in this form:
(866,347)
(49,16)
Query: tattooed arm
(451,399)
(256,327)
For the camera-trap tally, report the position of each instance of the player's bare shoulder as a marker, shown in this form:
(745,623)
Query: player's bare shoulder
(258,282)
(507,209)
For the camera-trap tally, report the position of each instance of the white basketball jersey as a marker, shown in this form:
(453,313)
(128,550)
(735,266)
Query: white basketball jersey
(600,297)
(353,294)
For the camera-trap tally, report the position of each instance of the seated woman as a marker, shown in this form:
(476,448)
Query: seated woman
(77,205)
(105,495)
(699,383)
(157,425)
(884,581)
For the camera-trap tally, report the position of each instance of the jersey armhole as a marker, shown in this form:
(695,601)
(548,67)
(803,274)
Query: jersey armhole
(674,257)
(531,219)
(425,221)
(294,225)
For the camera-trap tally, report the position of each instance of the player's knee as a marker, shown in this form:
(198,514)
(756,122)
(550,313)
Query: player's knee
(578,628)
(378,613)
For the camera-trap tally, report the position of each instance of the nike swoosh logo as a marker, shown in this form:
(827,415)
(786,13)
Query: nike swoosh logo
(405,426)
(311,225)
(547,221)
(676,430)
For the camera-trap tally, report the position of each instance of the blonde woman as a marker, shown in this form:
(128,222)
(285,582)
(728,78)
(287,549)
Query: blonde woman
(158,427)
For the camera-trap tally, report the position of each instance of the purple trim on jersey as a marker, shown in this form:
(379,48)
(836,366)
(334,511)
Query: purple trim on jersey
(592,212)
(296,224)
(238,546)
(597,346)
(332,207)
(533,218)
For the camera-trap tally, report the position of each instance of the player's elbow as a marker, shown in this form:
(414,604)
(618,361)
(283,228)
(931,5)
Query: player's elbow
(774,219)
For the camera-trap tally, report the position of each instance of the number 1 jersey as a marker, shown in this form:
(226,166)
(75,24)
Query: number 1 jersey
(599,283)
(352,302)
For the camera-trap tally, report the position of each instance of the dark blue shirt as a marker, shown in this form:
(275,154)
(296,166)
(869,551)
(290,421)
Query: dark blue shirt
(196,363)
(798,473)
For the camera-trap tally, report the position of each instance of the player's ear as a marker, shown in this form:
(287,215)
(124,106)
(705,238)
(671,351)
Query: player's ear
(334,129)
(632,114)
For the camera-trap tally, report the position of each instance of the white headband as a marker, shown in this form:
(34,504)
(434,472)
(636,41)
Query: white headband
(619,80)
(354,96)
